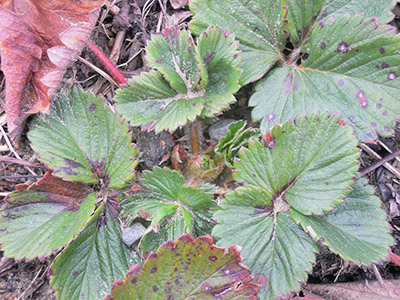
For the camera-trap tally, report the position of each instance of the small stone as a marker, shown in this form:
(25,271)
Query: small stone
(218,130)
(133,233)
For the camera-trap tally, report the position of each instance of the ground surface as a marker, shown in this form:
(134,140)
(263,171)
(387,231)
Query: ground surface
(127,25)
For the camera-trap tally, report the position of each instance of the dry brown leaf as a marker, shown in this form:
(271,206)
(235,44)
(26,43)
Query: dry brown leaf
(38,40)
(371,290)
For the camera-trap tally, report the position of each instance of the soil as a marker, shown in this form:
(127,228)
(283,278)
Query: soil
(30,279)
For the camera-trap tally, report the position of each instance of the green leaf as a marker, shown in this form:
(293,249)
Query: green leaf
(189,80)
(83,140)
(382,10)
(277,250)
(87,268)
(352,69)
(174,209)
(236,137)
(50,213)
(357,229)
(188,269)
(301,16)
(256,25)
(311,165)
(263,26)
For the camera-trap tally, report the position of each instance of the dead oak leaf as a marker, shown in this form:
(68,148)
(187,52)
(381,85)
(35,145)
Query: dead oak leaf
(38,40)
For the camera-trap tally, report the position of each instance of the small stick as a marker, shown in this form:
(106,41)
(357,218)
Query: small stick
(116,49)
(13,151)
(106,62)
(378,275)
(22,296)
(388,149)
(19,176)
(18,161)
(101,72)
(383,161)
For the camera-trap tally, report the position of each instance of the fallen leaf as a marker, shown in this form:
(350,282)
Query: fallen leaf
(371,290)
(38,40)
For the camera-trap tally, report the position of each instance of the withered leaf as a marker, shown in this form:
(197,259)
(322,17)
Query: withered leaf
(38,40)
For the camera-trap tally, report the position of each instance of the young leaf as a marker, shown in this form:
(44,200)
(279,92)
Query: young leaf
(83,140)
(236,137)
(50,212)
(256,24)
(174,209)
(357,229)
(311,166)
(352,69)
(188,269)
(190,81)
(87,268)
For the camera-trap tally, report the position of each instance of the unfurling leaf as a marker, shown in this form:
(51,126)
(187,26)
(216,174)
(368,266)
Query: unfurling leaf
(172,207)
(188,269)
(236,138)
(83,140)
(50,212)
(189,80)
(38,40)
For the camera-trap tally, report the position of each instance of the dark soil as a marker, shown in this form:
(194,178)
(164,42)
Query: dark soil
(30,280)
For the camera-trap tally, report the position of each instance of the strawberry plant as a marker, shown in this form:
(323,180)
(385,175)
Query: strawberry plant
(296,182)
(188,80)
(346,63)
(89,150)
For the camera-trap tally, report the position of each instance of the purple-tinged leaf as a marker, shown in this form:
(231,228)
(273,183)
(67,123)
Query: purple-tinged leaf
(188,269)
(44,217)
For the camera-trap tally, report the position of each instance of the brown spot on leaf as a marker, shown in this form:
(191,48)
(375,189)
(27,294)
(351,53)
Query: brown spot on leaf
(212,258)
(382,50)
(323,46)
(343,48)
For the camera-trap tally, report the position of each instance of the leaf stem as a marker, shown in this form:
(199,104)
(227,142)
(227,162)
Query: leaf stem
(107,63)
(194,136)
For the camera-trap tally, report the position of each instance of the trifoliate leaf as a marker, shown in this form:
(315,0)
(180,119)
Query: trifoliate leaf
(256,24)
(308,165)
(357,230)
(311,165)
(236,137)
(174,209)
(189,80)
(87,268)
(263,26)
(352,69)
(276,249)
(44,217)
(83,140)
(188,269)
